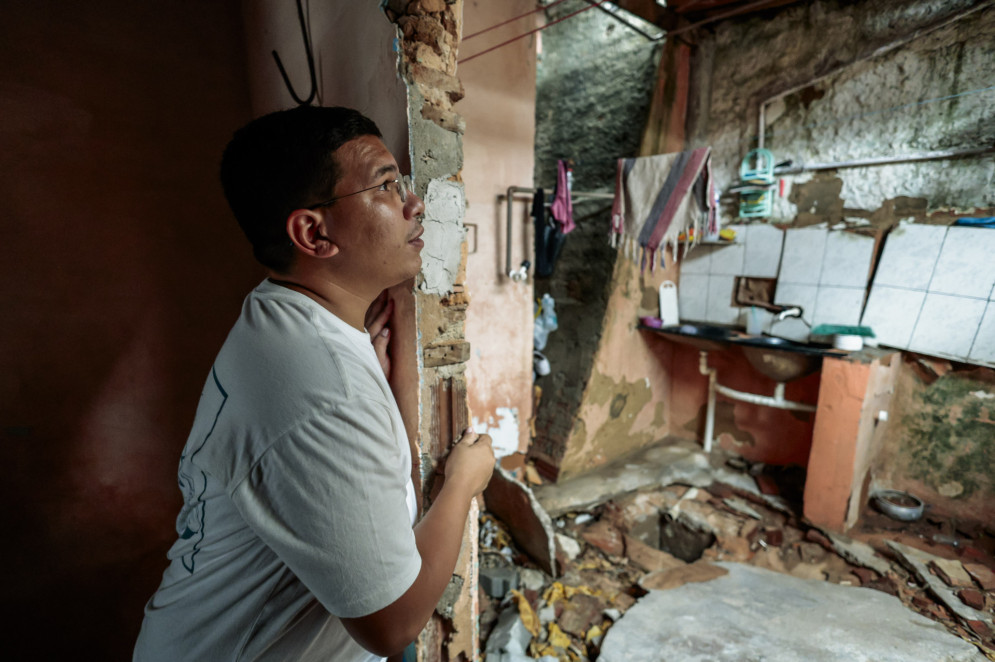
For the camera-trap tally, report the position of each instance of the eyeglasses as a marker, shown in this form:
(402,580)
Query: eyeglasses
(403,185)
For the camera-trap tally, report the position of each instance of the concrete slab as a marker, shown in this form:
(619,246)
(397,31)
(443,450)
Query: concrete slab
(757,614)
(653,466)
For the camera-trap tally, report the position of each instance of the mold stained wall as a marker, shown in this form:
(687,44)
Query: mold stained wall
(122,273)
(607,390)
(499,109)
(941,446)
(863,105)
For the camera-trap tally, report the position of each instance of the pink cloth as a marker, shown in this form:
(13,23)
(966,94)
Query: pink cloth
(562,207)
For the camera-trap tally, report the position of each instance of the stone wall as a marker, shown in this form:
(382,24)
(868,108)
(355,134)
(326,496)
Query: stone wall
(594,82)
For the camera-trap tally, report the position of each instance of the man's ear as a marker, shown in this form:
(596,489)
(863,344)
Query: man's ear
(307,229)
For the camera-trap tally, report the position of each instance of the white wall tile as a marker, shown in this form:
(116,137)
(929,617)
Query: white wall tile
(692,297)
(847,260)
(947,325)
(966,266)
(793,294)
(727,260)
(698,261)
(720,308)
(838,305)
(892,313)
(763,250)
(983,349)
(910,253)
(801,259)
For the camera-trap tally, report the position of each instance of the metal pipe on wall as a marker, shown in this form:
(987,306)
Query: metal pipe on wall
(509,195)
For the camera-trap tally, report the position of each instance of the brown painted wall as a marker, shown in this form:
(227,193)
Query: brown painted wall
(122,272)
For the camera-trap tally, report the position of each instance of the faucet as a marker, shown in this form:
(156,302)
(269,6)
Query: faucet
(790,311)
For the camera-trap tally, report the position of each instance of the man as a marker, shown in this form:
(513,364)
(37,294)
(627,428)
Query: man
(295,538)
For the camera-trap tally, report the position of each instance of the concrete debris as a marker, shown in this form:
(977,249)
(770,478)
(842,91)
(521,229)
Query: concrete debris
(858,553)
(919,562)
(619,552)
(513,503)
(699,571)
(567,547)
(496,582)
(653,466)
(532,580)
(801,620)
(509,637)
(742,507)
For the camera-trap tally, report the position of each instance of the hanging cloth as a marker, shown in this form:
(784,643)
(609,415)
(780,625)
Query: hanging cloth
(549,238)
(657,198)
(563,208)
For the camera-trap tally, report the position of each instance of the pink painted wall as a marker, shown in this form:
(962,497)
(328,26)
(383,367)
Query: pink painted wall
(625,402)
(122,273)
(499,109)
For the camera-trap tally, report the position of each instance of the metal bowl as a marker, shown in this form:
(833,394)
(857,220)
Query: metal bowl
(898,505)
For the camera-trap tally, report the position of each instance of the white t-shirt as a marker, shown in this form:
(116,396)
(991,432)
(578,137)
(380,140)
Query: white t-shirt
(298,501)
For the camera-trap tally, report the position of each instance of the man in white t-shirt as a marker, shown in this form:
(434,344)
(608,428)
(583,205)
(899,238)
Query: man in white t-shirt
(295,540)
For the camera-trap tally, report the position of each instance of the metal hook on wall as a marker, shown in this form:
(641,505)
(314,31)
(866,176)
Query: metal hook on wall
(310,63)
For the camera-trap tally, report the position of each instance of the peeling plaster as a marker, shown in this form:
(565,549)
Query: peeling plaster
(504,436)
(444,205)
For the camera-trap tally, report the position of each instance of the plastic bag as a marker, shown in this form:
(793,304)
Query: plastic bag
(545,321)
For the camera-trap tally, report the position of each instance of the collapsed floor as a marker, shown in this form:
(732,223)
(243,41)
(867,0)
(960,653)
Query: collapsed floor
(681,538)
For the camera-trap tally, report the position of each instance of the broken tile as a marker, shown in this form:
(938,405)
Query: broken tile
(918,561)
(865,575)
(648,558)
(699,571)
(580,612)
(951,572)
(605,537)
(972,597)
(982,574)
(981,629)
(858,553)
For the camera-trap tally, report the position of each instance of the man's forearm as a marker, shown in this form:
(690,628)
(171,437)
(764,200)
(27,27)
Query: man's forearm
(438,536)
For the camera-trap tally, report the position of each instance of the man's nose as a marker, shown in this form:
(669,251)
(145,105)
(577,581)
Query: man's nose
(413,206)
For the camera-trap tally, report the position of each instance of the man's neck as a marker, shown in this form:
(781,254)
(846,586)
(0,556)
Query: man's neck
(342,303)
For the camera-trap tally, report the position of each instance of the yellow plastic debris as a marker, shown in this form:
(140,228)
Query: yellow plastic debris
(557,637)
(593,633)
(525,610)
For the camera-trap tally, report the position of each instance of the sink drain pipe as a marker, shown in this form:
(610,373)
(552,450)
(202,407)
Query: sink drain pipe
(777,400)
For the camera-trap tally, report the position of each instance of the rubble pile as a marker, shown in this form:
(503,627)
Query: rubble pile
(660,538)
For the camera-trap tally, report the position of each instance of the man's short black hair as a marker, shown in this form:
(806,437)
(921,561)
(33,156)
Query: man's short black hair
(281,162)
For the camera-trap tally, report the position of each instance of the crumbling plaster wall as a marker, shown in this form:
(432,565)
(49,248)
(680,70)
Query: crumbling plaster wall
(594,82)
(854,103)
